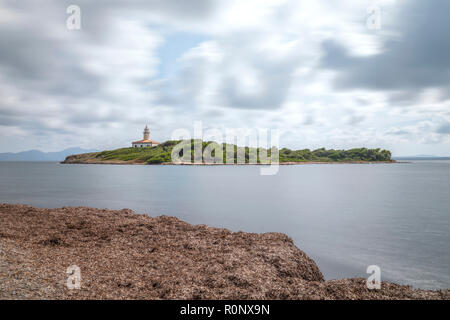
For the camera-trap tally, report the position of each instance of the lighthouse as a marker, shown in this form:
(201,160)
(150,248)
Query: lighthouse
(146,142)
(146,133)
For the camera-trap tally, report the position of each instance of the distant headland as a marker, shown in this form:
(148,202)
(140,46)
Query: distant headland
(37,155)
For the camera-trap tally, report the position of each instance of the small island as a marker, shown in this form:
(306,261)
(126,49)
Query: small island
(162,154)
(198,152)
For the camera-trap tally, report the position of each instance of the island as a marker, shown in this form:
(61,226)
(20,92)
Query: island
(162,154)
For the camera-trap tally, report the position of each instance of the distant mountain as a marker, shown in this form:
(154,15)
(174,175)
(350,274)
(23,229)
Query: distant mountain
(36,155)
(421,157)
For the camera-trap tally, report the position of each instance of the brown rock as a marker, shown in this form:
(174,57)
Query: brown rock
(123,255)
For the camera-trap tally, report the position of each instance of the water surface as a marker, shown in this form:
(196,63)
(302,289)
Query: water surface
(345,216)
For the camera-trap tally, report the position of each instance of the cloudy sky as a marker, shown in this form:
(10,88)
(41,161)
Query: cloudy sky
(312,69)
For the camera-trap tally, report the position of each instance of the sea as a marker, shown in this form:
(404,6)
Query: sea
(346,217)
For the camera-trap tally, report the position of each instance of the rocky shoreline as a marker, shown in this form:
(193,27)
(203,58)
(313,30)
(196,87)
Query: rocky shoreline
(124,255)
(85,159)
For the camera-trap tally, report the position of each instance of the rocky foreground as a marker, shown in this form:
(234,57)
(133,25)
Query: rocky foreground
(123,255)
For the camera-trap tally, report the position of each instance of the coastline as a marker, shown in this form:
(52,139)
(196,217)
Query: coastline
(124,255)
(118,162)
(162,155)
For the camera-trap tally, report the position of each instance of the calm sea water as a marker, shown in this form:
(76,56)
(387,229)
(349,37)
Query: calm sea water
(346,217)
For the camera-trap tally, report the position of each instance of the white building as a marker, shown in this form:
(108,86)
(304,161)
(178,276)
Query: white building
(146,142)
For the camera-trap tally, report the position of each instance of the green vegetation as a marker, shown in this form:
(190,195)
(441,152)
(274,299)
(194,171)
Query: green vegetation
(153,155)
(358,154)
(163,153)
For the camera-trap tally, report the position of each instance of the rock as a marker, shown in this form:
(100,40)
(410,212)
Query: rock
(124,255)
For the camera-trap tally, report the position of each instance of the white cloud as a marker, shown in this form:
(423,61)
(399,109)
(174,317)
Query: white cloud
(260,67)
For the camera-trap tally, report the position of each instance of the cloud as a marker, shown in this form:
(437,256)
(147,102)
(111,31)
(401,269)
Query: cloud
(444,128)
(414,55)
(235,72)
(309,68)
(399,132)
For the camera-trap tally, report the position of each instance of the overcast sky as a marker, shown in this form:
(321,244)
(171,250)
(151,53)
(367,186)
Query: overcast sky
(312,69)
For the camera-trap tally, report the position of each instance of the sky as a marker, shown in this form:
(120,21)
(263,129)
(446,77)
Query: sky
(318,71)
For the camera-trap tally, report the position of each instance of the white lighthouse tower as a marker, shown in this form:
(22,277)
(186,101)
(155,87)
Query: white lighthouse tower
(146,133)
(146,142)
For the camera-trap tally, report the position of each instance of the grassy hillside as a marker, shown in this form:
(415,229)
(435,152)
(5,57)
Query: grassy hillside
(162,154)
